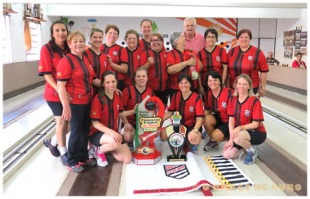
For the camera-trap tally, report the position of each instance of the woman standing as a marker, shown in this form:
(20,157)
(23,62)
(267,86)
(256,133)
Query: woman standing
(213,58)
(113,51)
(176,63)
(154,61)
(98,60)
(50,55)
(75,77)
(189,105)
(106,107)
(131,55)
(216,101)
(247,59)
(246,118)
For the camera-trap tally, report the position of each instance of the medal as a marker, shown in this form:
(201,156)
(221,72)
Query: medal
(194,75)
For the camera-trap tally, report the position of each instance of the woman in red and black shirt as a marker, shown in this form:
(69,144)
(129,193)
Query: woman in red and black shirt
(246,118)
(50,55)
(75,76)
(113,51)
(131,55)
(213,58)
(135,94)
(155,62)
(189,105)
(216,101)
(98,60)
(106,107)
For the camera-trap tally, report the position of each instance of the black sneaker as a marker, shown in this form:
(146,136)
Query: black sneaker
(53,149)
(76,168)
(64,159)
(89,162)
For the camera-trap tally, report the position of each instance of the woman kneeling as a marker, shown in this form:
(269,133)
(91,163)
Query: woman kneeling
(245,121)
(106,107)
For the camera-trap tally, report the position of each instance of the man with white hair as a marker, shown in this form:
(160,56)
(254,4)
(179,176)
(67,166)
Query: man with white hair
(194,40)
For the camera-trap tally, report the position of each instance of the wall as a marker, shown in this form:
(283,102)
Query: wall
(269,29)
(285,25)
(20,73)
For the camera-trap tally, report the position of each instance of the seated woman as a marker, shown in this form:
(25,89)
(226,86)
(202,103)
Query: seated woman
(106,107)
(189,105)
(131,96)
(298,63)
(216,101)
(245,121)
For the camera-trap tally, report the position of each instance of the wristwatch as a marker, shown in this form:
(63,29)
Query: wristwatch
(263,88)
(196,130)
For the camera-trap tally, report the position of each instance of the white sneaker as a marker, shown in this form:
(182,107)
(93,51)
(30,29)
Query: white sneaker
(91,152)
(101,161)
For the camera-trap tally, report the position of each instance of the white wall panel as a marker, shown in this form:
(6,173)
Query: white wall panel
(267,28)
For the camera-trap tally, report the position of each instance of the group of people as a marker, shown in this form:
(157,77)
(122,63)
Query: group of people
(90,90)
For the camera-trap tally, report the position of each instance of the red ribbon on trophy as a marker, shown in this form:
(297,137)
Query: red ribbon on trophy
(187,54)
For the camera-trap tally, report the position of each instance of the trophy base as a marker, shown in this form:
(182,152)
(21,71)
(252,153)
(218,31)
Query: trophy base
(149,159)
(172,158)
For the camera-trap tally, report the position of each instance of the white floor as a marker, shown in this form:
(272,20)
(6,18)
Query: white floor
(42,174)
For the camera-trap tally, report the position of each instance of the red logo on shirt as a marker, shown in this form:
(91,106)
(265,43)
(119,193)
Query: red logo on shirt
(224,104)
(250,58)
(191,109)
(247,112)
(218,58)
(114,53)
(138,57)
(59,74)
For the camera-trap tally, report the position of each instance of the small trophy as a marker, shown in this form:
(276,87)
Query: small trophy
(176,138)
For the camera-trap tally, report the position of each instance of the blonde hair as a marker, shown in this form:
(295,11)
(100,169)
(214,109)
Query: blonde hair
(95,29)
(248,79)
(109,26)
(158,35)
(74,34)
(131,31)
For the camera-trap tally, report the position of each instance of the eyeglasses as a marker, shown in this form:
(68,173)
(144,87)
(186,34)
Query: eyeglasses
(156,40)
(211,37)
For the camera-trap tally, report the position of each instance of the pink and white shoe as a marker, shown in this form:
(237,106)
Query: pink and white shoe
(101,161)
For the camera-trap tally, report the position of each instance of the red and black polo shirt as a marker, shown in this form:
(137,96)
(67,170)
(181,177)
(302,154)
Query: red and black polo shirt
(218,104)
(131,96)
(48,65)
(246,112)
(78,74)
(157,72)
(144,45)
(175,57)
(248,62)
(212,61)
(99,62)
(189,109)
(115,54)
(106,112)
(132,58)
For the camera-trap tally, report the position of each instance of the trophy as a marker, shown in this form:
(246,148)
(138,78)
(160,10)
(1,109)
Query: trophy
(176,138)
(147,128)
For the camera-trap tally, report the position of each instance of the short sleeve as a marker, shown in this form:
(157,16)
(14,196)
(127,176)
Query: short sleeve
(170,60)
(262,62)
(64,70)
(257,114)
(124,56)
(199,108)
(172,103)
(46,62)
(143,58)
(230,108)
(295,64)
(224,57)
(207,107)
(95,111)
(125,97)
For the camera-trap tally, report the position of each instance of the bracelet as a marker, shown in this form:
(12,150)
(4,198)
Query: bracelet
(242,128)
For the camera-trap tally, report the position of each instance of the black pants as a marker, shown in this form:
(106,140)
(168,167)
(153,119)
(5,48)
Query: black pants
(80,126)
